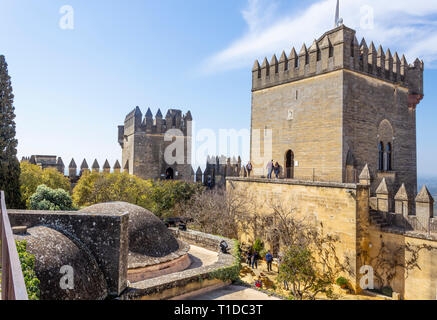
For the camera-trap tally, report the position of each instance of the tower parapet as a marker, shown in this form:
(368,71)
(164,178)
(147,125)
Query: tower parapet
(339,49)
(134,123)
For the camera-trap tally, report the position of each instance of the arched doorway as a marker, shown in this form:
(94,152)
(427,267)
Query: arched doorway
(289,164)
(169,174)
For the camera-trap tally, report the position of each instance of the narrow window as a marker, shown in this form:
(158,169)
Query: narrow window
(389,157)
(331,51)
(352,49)
(296,63)
(319,55)
(381,156)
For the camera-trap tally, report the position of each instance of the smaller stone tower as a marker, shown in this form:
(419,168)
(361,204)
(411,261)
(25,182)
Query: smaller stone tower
(157,148)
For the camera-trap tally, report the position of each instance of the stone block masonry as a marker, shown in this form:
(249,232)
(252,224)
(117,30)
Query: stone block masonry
(335,107)
(105,236)
(143,144)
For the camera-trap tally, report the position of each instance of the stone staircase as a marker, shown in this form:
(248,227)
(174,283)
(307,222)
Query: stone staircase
(377,220)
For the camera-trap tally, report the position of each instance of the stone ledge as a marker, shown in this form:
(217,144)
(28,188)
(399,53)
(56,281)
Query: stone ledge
(136,260)
(299,182)
(173,285)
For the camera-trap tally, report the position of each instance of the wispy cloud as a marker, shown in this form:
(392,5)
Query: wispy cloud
(406,27)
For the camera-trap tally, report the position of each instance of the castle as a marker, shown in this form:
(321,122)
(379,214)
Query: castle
(340,118)
(144,142)
(335,107)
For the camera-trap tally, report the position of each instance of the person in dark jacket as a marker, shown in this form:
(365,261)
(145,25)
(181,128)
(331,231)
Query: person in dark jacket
(249,169)
(255,258)
(277,170)
(249,258)
(269,260)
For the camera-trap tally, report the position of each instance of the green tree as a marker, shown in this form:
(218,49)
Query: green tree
(46,198)
(169,196)
(33,176)
(93,188)
(164,198)
(9,165)
(299,268)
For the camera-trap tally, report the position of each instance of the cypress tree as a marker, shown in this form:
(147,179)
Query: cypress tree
(9,165)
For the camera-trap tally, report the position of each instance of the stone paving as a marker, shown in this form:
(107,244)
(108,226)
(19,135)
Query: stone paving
(201,257)
(234,292)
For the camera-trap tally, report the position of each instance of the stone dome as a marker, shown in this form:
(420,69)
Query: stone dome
(148,235)
(53,250)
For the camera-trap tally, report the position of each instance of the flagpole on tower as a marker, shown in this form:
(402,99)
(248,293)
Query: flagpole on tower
(338,20)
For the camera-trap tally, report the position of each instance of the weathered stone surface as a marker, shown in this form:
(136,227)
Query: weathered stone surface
(338,103)
(169,286)
(424,196)
(147,234)
(402,193)
(177,283)
(382,188)
(52,251)
(105,235)
(143,144)
(137,260)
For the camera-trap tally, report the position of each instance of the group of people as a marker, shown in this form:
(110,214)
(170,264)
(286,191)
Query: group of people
(253,257)
(272,167)
(252,260)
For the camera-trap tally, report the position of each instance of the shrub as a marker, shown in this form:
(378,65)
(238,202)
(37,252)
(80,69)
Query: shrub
(342,282)
(258,246)
(27,261)
(33,176)
(46,198)
(169,197)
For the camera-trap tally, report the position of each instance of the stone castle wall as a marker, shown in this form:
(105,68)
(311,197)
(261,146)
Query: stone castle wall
(338,206)
(377,111)
(315,132)
(344,210)
(331,105)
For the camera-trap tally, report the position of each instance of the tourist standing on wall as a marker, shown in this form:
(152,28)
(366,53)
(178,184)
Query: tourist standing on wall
(269,169)
(249,168)
(269,260)
(277,170)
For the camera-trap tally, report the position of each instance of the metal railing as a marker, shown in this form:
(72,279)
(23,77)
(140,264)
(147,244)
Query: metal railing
(12,286)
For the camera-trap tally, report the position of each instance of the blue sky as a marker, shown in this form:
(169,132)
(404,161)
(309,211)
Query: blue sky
(73,87)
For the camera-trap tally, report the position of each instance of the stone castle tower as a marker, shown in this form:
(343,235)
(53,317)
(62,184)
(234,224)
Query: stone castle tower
(335,107)
(144,144)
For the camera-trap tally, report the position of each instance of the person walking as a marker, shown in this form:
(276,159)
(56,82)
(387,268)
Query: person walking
(255,260)
(269,169)
(277,170)
(249,169)
(269,260)
(248,258)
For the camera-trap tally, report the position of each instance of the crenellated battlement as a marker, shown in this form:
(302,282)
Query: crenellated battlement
(135,123)
(396,207)
(339,49)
